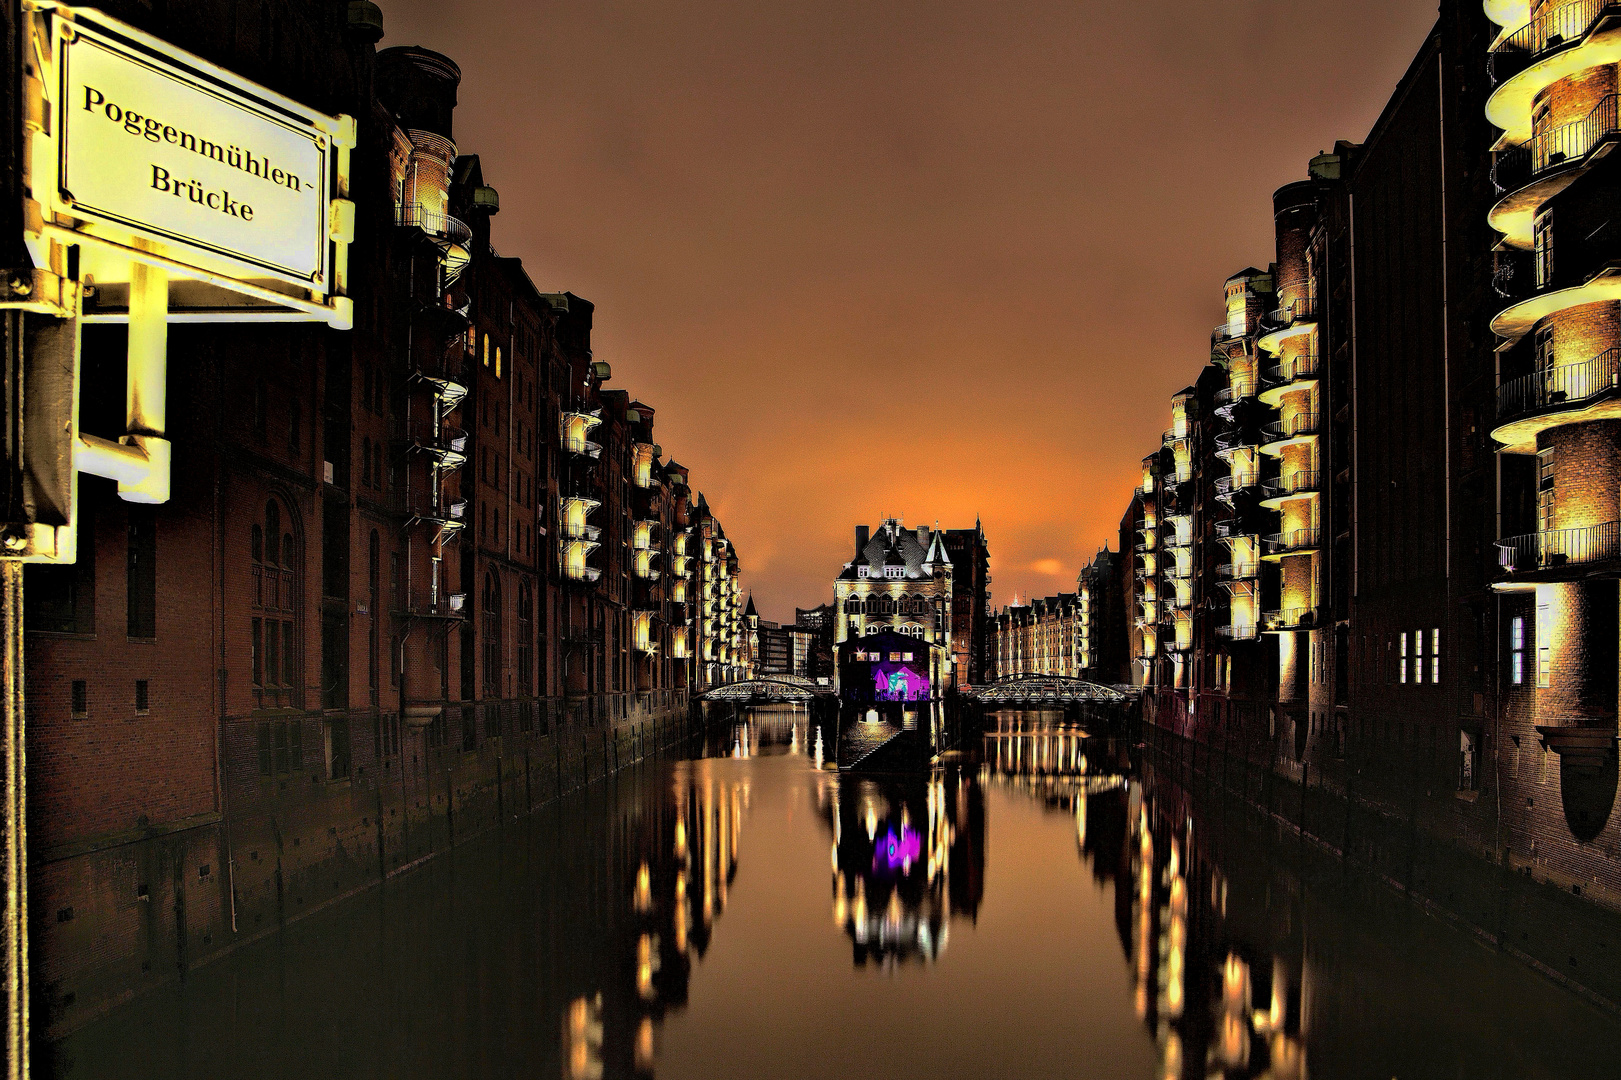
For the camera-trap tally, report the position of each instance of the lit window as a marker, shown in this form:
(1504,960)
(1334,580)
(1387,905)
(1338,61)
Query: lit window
(1544,646)
(1516,650)
(1404,656)
(1435,656)
(862,571)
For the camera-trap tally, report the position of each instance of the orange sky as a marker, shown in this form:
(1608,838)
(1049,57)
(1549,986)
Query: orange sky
(921,257)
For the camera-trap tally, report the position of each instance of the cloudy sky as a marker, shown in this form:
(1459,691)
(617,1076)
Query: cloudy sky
(934,259)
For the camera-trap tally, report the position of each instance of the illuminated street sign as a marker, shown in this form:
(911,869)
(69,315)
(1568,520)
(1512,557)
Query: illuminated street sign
(145,153)
(175,158)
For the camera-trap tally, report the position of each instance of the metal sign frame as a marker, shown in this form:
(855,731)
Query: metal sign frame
(210,282)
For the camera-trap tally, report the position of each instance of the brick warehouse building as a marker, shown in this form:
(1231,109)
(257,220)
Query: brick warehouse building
(413,576)
(1392,492)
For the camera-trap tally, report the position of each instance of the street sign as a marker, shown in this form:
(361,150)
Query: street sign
(150,151)
(145,153)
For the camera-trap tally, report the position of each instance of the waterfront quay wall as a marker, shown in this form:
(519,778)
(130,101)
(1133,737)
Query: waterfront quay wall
(139,911)
(1361,823)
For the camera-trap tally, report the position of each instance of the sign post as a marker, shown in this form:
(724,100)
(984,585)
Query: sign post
(151,186)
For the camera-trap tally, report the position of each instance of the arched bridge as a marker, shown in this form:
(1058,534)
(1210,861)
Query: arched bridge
(1052,690)
(768,688)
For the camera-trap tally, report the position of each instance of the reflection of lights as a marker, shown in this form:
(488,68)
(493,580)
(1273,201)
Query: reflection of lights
(644,1045)
(646,965)
(841,907)
(582,1038)
(681,915)
(818,748)
(872,822)
(1173,1057)
(681,840)
(1080,822)
(644,889)
(898,851)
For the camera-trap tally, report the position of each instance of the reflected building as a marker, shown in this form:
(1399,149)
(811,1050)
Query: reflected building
(908,858)
(676,858)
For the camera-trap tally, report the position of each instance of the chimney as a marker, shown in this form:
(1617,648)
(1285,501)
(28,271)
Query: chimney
(861,542)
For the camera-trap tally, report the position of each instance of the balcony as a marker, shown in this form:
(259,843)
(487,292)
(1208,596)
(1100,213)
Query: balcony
(1295,485)
(1567,394)
(1295,374)
(1239,632)
(451,236)
(576,531)
(1550,554)
(575,427)
(1292,542)
(1228,486)
(1567,39)
(1289,620)
(1243,571)
(1287,432)
(1291,320)
(1233,529)
(1529,175)
(1241,438)
(1231,395)
(1553,30)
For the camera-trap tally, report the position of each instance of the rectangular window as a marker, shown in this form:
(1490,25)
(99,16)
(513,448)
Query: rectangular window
(1404,656)
(1546,503)
(142,595)
(143,697)
(1544,646)
(1542,245)
(1516,650)
(272,670)
(1435,656)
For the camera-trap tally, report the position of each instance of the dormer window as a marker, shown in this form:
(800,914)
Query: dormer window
(894,571)
(863,572)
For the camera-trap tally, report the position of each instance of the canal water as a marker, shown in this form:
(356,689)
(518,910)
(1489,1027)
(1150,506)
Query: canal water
(1044,904)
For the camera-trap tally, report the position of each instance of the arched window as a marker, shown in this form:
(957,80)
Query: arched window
(492,635)
(274,620)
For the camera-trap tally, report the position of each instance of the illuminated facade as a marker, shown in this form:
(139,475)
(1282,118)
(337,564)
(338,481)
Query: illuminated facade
(1378,545)
(1040,638)
(398,559)
(1557,422)
(900,580)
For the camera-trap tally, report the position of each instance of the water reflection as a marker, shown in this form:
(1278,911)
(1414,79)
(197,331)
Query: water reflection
(908,857)
(1124,927)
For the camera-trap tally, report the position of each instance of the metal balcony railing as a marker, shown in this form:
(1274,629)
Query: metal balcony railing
(1232,529)
(1231,395)
(1228,441)
(1239,632)
(1293,540)
(575,444)
(1294,369)
(1234,483)
(1300,309)
(1298,482)
(1567,384)
(1224,332)
(1301,618)
(1560,547)
(1555,28)
(1566,145)
(435,224)
(579,532)
(1293,427)
(1238,571)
